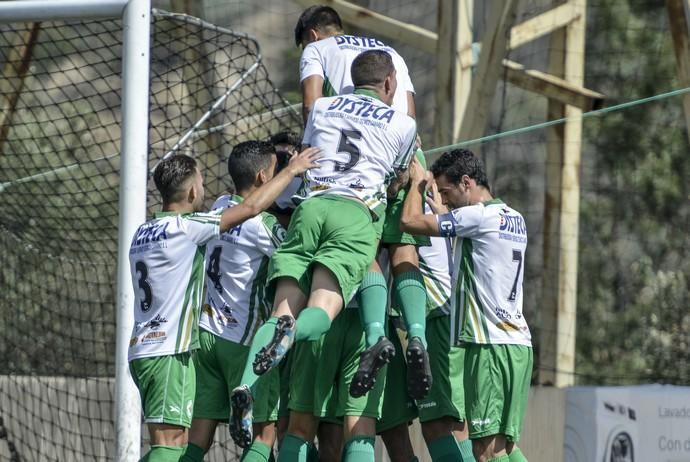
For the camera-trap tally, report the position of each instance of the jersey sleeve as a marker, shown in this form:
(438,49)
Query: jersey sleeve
(403,74)
(269,234)
(310,63)
(462,222)
(201,227)
(409,137)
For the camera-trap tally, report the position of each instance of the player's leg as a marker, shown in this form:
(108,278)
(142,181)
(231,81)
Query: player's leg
(442,411)
(330,440)
(167,385)
(409,293)
(398,408)
(211,404)
(497,379)
(265,415)
(372,299)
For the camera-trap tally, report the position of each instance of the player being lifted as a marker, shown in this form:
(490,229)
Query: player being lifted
(486,301)
(331,240)
(166,260)
(325,71)
(236,268)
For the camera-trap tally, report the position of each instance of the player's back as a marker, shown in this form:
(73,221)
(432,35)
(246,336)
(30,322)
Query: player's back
(331,58)
(165,260)
(363,141)
(236,266)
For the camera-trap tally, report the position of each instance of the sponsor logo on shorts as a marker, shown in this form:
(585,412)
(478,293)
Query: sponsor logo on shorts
(190,407)
(427,405)
(479,423)
(174,409)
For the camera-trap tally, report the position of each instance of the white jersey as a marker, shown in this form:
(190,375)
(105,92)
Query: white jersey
(435,264)
(331,59)
(489,269)
(236,268)
(166,258)
(363,142)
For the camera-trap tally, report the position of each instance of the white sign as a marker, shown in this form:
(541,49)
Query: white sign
(647,423)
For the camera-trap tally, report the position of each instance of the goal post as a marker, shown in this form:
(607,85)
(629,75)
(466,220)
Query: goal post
(136,21)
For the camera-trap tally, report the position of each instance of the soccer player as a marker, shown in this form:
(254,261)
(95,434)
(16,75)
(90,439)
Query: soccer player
(331,240)
(166,260)
(236,267)
(325,70)
(486,302)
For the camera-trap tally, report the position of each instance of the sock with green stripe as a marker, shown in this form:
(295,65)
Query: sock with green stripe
(516,455)
(257,452)
(312,323)
(192,453)
(373,297)
(503,458)
(160,453)
(445,449)
(359,449)
(466,454)
(294,449)
(262,338)
(411,297)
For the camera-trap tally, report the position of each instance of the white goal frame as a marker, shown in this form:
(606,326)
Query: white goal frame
(136,23)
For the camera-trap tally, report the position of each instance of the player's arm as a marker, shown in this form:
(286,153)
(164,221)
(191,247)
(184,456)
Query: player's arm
(413,219)
(312,89)
(263,197)
(411,108)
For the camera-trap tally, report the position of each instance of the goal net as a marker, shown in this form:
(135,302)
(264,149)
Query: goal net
(59,161)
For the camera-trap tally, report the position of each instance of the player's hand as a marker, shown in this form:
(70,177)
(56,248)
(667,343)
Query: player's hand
(433,198)
(300,163)
(417,173)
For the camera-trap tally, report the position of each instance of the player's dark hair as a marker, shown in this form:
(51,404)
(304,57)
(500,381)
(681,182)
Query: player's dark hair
(370,68)
(458,162)
(246,160)
(289,138)
(171,175)
(316,17)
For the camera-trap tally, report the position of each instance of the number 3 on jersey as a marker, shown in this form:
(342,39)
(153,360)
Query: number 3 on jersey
(144,285)
(345,145)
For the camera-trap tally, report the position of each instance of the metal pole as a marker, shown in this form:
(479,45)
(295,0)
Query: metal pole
(52,10)
(133,178)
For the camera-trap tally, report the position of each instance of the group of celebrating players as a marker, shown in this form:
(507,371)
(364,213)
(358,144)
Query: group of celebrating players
(340,292)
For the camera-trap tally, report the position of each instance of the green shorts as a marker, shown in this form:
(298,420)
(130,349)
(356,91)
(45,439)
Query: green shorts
(219,365)
(497,381)
(166,385)
(323,369)
(391,233)
(284,371)
(398,407)
(333,231)
(446,397)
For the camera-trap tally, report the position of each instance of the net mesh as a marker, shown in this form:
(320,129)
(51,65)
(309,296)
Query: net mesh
(59,164)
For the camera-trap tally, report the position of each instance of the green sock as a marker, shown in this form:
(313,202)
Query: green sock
(257,452)
(516,455)
(192,453)
(445,449)
(359,449)
(411,296)
(466,454)
(160,453)
(294,449)
(373,297)
(503,458)
(262,338)
(312,323)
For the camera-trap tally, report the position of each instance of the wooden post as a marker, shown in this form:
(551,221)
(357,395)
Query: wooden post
(13,73)
(561,214)
(453,79)
(678,20)
(494,47)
